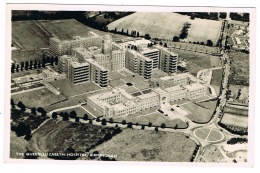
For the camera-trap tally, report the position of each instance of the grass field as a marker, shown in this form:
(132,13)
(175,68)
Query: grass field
(27,55)
(196,61)
(216,78)
(68,89)
(169,25)
(239,68)
(140,145)
(235,120)
(200,113)
(57,136)
(208,134)
(37,98)
(28,35)
(139,83)
(67,29)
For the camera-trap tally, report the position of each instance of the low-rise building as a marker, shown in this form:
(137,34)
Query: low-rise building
(195,90)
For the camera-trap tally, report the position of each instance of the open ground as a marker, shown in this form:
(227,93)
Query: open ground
(140,145)
(150,23)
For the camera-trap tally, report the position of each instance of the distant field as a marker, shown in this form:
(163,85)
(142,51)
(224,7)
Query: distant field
(169,25)
(67,29)
(29,35)
(141,145)
(37,98)
(19,56)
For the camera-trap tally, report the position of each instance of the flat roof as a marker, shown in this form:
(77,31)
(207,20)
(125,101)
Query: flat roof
(174,88)
(93,62)
(183,75)
(159,91)
(76,64)
(149,50)
(148,95)
(194,86)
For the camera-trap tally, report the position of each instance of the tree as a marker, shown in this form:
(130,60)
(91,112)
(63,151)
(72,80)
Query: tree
(111,120)
(124,122)
(22,65)
(85,117)
(56,60)
(54,115)
(17,68)
(73,114)
(61,114)
(23,129)
(175,39)
(147,37)
(209,43)
(12,104)
(90,121)
(165,45)
(21,106)
(26,65)
(161,43)
(65,116)
(156,129)
(143,127)
(35,64)
(137,34)
(12,68)
(77,119)
(149,124)
(130,125)
(33,111)
(176,126)
(98,119)
(163,125)
(223,15)
(104,122)
(52,60)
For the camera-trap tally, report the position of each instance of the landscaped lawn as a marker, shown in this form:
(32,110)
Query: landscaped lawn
(68,89)
(38,98)
(200,113)
(137,82)
(27,55)
(142,145)
(116,83)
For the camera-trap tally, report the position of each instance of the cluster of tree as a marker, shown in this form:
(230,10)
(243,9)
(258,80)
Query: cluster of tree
(29,65)
(44,15)
(222,15)
(195,153)
(22,129)
(233,130)
(107,136)
(164,45)
(240,16)
(202,15)
(233,141)
(184,31)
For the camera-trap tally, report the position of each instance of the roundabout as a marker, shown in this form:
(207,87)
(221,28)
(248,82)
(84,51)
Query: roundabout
(209,134)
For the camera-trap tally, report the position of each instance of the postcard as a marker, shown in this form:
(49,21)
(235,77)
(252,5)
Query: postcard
(139,84)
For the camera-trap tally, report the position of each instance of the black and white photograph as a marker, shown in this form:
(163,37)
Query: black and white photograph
(137,84)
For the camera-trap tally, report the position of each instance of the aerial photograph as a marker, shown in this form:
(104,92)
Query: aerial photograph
(130,86)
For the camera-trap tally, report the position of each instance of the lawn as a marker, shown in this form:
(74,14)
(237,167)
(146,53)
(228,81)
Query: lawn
(142,145)
(169,24)
(28,35)
(24,73)
(57,136)
(37,98)
(115,75)
(239,68)
(202,113)
(17,145)
(116,83)
(216,78)
(158,74)
(139,83)
(69,89)
(151,115)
